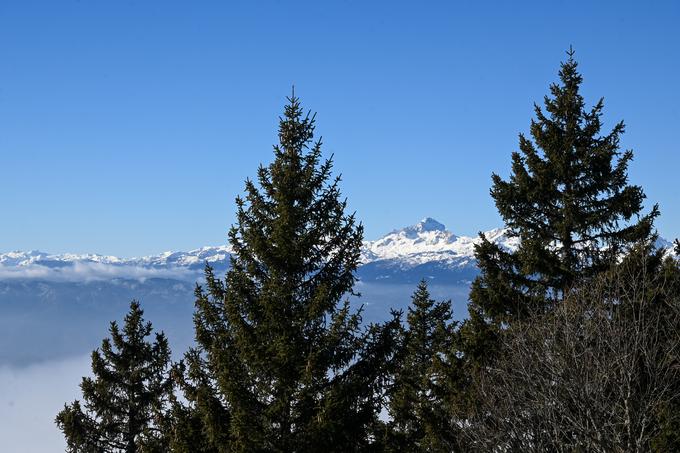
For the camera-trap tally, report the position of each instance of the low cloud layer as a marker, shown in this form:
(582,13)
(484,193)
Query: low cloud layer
(89,271)
(30,398)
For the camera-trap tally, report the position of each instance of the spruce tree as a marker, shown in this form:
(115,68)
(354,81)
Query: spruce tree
(126,399)
(567,200)
(282,363)
(418,396)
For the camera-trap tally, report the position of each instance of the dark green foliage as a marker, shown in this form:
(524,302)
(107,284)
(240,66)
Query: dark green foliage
(418,396)
(125,401)
(202,426)
(568,202)
(282,363)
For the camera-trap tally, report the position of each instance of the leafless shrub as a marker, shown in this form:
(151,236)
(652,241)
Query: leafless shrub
(591,375)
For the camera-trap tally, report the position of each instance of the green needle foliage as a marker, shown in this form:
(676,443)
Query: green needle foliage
(570,206)
(282,364)
(125,401)
(568,202)
(418,396)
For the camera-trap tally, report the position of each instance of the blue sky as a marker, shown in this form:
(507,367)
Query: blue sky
(128,127)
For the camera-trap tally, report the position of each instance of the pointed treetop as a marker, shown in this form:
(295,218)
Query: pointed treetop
(571,52)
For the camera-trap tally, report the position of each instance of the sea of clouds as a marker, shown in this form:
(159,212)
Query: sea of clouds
(92,271)
(31,397)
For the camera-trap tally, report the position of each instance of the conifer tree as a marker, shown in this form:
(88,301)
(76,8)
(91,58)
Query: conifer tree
(125,401)
(417,400)
(283,364)
(567,200)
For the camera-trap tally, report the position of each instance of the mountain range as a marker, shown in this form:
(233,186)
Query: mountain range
(424,250)
(58,305)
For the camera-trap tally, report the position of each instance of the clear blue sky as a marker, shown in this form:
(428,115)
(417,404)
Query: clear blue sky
(128,127)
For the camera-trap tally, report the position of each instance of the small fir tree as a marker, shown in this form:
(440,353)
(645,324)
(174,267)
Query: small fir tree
(417,400)
(282,364)
(126,399)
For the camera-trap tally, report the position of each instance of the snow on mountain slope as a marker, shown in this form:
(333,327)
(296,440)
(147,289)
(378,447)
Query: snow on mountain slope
(193,258)
(18,258)
(185,266)
(423,242)
(166,259)
(428,241)
(424,250)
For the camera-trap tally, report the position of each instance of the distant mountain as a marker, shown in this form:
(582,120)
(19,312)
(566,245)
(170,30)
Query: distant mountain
(192,259)
(425,249)
(59,305)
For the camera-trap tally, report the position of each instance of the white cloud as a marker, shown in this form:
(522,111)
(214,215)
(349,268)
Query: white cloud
(91,271)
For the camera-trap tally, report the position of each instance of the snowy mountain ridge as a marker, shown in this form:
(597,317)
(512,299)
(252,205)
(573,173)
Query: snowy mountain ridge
(428,240)
(426,249)
(166,259)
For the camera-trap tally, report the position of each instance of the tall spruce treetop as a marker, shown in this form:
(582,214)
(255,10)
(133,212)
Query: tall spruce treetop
(568,201)
(278,344)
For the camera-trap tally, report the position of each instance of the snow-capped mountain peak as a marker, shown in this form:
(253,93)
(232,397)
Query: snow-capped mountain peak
(428,235)
(428,241)
(428,224)
(418,248)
